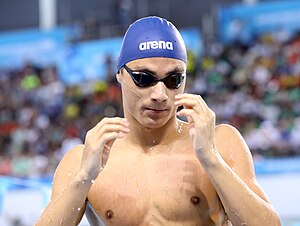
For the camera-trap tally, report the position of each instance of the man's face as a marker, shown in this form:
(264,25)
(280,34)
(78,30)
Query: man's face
(151,106)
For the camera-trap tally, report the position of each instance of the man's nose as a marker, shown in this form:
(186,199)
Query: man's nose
(159,92)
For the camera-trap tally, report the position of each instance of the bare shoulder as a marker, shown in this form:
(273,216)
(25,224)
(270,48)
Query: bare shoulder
(230,138)
(67,169)
(227,131)
(233,148)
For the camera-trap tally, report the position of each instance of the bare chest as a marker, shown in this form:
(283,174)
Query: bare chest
(156,190)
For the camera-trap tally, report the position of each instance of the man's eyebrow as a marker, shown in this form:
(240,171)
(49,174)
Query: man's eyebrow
(176,70)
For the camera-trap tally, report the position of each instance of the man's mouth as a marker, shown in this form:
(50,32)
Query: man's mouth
(156,110)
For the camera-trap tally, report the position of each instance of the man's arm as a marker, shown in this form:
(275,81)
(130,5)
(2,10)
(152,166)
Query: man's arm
(228,163)
(77,170)
(69,193)
(231,171)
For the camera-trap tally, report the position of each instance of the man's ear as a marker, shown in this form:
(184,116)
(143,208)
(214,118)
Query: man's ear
(118,77)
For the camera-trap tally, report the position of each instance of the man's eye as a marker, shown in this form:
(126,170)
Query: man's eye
(178,74)
(140,73)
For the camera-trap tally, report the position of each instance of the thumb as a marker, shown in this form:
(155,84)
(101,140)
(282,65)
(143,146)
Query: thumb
(109,144)
(190,120)
(106,152)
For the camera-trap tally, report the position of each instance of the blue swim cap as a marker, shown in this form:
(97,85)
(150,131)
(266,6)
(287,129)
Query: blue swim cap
(151,37)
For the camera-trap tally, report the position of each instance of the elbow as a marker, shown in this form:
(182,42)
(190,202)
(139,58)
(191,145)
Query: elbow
(277,221)
(275,217)
(271,219)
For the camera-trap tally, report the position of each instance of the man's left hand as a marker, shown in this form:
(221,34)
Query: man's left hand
(201,120)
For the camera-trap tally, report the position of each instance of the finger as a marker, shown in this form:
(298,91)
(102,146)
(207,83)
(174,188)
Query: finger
(198,98)
(112,128)
(103,137)
(190,120)
(191,103)
(114,120)
(185,95)
(190,96)
(109,144)
(106,151)
(112,136)
(203,102)
(109,125)
(190,114)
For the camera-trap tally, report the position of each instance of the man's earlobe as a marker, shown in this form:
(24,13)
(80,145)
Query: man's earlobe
(118,77)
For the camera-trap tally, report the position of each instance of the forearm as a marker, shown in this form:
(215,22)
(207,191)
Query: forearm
(242,205)
(66,208)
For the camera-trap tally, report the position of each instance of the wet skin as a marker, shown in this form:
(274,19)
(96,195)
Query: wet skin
(154,179)
(168,188)
(154,174)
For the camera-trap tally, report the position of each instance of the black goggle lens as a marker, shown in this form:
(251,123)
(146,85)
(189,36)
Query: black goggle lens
(144,79)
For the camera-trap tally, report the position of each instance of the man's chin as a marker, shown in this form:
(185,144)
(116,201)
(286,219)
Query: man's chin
(154,123)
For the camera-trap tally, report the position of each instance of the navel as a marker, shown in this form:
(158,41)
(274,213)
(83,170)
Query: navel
(109,214)
(195,200)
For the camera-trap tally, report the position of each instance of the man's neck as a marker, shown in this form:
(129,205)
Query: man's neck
(147,138)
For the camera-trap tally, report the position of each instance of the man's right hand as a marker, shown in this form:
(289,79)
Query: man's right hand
(98,142)
(82,163)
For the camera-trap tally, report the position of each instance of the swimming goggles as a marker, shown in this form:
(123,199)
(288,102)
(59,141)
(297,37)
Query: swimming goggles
(146,79)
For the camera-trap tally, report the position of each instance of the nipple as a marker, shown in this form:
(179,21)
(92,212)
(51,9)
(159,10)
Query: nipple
(195,200)
(109,214)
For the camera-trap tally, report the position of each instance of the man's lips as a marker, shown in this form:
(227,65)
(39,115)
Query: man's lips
(156,112)
(156,109)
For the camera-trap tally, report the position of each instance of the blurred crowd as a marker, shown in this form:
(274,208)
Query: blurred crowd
(254,87)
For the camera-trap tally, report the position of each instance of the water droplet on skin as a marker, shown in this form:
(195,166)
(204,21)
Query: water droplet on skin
(166,180)
(154,142)
(184,172)
(125,177)
(78,209)
(150,149)
(82,181)
(136,180)
(231,160)
(179,130)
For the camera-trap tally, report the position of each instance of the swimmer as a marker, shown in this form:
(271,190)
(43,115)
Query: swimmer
(149,167)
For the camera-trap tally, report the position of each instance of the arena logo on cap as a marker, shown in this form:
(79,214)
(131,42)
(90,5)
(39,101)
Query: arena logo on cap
(155,45)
